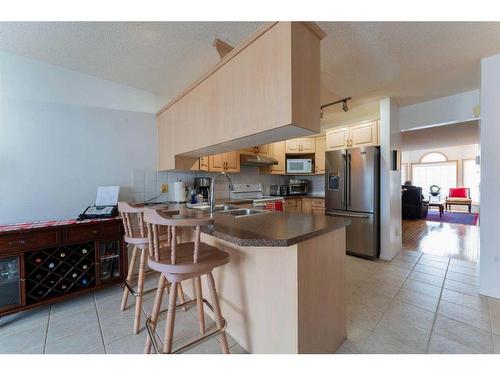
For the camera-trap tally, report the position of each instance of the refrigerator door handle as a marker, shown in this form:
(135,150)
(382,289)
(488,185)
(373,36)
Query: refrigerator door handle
(347,214)
(349,182)
(343,182)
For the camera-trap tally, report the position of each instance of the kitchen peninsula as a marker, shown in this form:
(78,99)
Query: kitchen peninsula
(283,288)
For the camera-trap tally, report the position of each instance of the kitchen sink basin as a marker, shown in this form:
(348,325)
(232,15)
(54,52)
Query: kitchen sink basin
(244,212)
(218,208)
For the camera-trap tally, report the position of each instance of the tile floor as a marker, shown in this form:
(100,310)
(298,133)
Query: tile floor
(417,303)
(94,324)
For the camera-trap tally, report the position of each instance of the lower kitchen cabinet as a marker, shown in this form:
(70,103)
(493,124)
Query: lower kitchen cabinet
(312,206)
(293,205)
(11,282)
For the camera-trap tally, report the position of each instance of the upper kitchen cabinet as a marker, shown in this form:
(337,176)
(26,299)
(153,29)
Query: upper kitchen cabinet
(225,162)
(356,135)
(265,90)
(300,146)
(319,157)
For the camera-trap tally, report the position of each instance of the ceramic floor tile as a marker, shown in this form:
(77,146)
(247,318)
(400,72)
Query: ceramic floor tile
(28,340)
(23,321)
(461,287)
(357,334)
(383,342)
(237,349)
(65,324)
(110,292)
(84,340)
(473,302)
(365,317)
(130,344)
(343,350)
(427,278)
(464,270)
(494,305)
(442,345)
(496,344)
(406,324)
(73,305)
(495,324)
(465,315)
(211,346)
(371,299)
(434,258)
(440,272)
(465,335)
(421,287)
(119,324)
(418,299)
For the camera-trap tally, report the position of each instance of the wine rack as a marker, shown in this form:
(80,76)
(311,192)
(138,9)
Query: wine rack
(55,271)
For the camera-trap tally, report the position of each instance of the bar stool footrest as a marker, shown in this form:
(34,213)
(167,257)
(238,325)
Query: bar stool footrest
(134,292)
(189,345)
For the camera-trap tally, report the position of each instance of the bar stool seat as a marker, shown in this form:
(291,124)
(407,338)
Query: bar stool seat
(209,257)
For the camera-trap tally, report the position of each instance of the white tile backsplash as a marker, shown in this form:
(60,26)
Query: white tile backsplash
(247,175)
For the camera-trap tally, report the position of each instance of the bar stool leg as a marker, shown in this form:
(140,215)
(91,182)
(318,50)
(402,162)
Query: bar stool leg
(169,327)
(182,299)
(130,276)
(140,288)
(156,310)
(199,302)
(217,312)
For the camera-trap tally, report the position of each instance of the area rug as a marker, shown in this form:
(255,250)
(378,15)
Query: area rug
(452,217)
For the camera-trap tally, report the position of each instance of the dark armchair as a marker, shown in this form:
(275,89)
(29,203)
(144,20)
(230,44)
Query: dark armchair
(413,204)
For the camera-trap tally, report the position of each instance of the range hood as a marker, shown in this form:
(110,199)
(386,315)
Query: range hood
(257,160)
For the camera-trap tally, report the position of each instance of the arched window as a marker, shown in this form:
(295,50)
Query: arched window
(433,157)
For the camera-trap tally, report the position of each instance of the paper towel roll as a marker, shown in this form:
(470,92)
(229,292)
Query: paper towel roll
(179,191)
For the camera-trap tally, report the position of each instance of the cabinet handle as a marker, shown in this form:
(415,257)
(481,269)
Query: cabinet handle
(18,242)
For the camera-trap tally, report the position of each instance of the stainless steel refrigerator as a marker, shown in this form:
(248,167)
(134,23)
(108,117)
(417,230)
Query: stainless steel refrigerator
(352,190)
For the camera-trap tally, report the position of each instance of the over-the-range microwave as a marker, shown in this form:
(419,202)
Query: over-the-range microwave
(299,165)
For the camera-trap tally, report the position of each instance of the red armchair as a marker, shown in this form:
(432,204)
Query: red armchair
(458,196)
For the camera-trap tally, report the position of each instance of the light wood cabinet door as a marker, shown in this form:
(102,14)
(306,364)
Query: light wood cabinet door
(365,134)
(278,152)
(232,161)
(204,163)
(306,206)
(336,139)
(319,157)
(264,150)
(216,163)
(293,205)
(307,145)
(293,146)
(318,211)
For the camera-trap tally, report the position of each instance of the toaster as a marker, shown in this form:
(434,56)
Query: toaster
(278,190)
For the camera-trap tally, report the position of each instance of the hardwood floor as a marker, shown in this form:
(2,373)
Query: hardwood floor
(450,240)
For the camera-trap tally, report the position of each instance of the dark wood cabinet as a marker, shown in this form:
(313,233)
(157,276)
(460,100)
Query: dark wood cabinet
(45,264)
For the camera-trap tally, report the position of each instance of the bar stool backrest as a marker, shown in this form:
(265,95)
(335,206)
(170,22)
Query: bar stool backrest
(133,219)
(155,219)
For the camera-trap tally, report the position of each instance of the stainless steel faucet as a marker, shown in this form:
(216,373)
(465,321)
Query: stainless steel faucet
(212,189)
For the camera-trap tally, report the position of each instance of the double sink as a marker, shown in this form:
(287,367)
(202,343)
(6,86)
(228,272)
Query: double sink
(233,210)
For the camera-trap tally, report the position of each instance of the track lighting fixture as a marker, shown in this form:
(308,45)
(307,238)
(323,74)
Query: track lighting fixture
(345,108)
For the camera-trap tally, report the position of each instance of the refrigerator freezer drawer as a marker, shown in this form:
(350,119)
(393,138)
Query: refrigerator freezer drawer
(362,235)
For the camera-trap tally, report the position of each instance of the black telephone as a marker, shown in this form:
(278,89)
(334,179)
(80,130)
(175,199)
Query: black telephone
(98,212)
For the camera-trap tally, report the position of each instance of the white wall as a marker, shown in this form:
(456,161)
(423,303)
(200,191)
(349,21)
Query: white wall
(490,167)
(62,134)
(447,110)
(390,181)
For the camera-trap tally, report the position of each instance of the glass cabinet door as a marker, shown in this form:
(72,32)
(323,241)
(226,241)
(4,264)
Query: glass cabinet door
(109,260)
(10,282)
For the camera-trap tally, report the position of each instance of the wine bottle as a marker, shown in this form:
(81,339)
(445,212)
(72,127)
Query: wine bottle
(38,260)
(51,265)
(85,266)
(62,254)
(84,281)
(84,251)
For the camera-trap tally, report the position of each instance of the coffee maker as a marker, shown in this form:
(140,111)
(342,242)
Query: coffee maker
(202,186)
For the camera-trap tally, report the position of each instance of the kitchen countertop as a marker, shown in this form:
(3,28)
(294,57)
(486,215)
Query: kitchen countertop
(276,229)
(311,196)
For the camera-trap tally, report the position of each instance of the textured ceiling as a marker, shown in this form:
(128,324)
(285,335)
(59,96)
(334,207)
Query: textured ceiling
(411,61)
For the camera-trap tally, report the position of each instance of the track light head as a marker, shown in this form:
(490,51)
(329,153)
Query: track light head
(344,106)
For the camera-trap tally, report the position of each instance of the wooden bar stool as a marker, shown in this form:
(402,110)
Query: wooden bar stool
(179,262)
(135,235)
